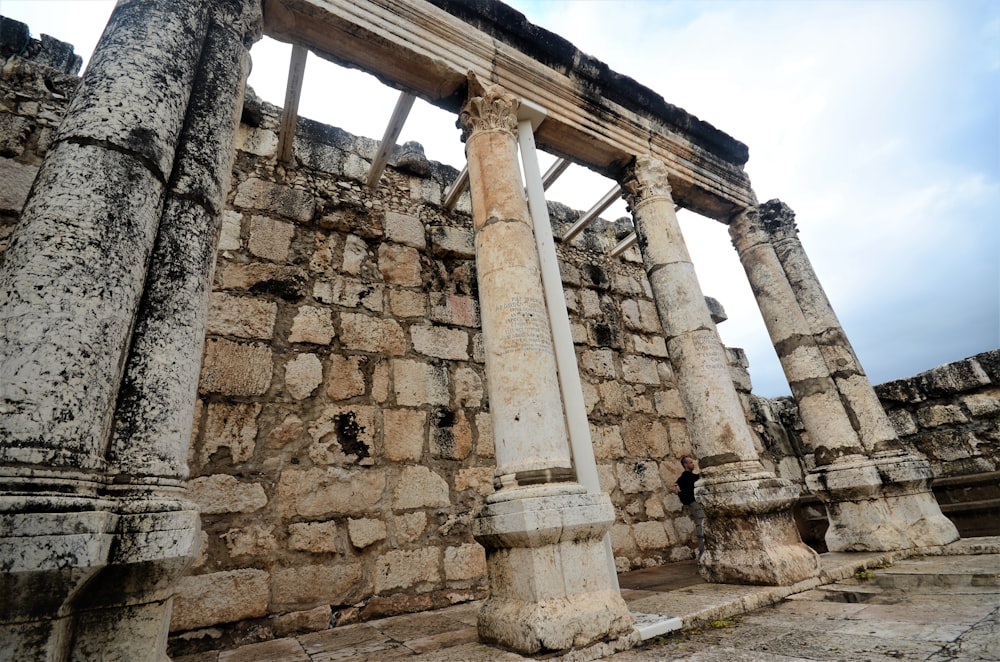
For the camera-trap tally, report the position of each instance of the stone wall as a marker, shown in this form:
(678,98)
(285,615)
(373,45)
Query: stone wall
(949,414)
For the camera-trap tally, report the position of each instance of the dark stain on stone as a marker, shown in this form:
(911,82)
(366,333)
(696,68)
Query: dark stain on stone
(288,290)
(348,434)
(598,277)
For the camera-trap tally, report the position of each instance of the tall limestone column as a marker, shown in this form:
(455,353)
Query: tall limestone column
(877,495)
(93,532)
(549,586)
(750,535)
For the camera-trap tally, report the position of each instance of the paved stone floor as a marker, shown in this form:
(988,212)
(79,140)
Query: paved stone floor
(940,605)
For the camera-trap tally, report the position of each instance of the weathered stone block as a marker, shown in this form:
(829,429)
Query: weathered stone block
(640,370)
(350,293)
(270,239)
(312,325)
(935,415)
(365,532)
(405,229)
(982,404)
(409,526)
(220,597)
(15,182)
(250,541)
(650,536)
(232,368)
(468,387)
(328,492)
(465,562)
(372,334)
(404,434)
(222,493)
(314,537)
(644,438)
(307,585)
(419,487)
(310,620)
(635,477)
(455,309)
(478,479)
(302,375)
(399,265)
(451,435)
(407,303)
(607,441)
(440,342)
(407,569)
(344,434)
(345,376)
(286,282)
(649,345)
(451,242)
(417,383)
(599,363)
(232,226)
(256,141)
(276,199)
(232,426)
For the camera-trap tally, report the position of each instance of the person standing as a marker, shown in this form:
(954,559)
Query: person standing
(684,488)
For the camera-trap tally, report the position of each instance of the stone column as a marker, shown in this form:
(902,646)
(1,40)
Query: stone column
(549,586)
(877,495)
(94,532)
(750,535)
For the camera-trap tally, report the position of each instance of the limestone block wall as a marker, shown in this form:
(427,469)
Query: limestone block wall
(37,77)
(949,414)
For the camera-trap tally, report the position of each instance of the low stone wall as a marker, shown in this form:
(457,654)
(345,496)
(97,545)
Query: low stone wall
(949,414)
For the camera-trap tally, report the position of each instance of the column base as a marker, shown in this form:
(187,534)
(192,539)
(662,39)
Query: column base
(125,613)
(48,558)
(880,504)
(750,534)
(549,584)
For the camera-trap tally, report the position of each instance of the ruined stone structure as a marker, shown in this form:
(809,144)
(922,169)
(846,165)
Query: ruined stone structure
(337,401)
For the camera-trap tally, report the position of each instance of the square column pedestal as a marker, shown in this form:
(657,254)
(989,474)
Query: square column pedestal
(750,534)
(548,572)
(880,503)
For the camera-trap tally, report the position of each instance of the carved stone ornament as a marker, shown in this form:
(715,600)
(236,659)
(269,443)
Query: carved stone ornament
(645,178)
(488,108)
(776,219)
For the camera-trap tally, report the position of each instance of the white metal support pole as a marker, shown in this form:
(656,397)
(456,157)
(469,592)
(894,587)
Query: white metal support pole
(555,300)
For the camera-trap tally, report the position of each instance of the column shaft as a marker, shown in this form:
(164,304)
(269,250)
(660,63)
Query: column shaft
(549,587)
(877,496)
(749,532)
(95,531)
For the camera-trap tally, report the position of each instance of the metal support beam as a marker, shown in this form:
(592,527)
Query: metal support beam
(552,174)
(594,212)
(457,188)
(290,113)
(623,245)
(562,336)
(392,131)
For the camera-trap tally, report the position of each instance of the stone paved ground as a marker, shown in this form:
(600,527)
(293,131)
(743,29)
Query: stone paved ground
(929,608)
(933,609)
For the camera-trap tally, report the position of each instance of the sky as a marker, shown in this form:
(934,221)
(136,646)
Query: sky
(878,123)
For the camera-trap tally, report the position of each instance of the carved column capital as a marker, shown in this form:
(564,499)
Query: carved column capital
(645,178)
(488,108)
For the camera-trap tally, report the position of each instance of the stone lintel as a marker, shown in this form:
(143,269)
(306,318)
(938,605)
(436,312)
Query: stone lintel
(596,117)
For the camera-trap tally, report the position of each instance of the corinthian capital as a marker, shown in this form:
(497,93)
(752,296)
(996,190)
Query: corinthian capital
(488,108)
(645,178)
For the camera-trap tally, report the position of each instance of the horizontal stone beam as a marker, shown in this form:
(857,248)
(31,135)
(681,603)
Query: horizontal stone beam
(596,118)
